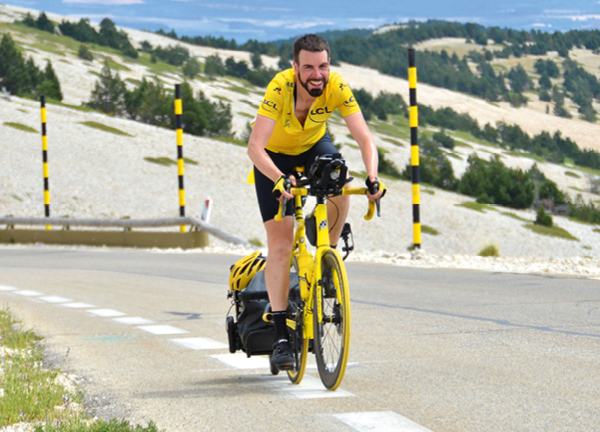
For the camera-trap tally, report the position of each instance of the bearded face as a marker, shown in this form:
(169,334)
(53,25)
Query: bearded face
(312,71)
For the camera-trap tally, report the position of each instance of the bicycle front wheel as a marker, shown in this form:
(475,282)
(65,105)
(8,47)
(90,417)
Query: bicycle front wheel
(332,325)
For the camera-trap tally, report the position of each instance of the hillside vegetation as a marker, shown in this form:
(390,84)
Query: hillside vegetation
(497,163)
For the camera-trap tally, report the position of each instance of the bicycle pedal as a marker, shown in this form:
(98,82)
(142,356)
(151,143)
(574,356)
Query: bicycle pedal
(348,240)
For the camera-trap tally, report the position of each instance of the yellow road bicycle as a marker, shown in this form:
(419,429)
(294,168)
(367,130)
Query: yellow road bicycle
(319,318)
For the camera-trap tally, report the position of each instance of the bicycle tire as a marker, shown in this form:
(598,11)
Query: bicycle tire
(299,343)
(300,347)
(332,333)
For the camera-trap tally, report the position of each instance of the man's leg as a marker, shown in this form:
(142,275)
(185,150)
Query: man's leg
(280,241)
(277,272)
(337,212)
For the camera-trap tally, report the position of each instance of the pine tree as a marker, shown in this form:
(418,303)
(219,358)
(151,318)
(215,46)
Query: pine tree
(108,95)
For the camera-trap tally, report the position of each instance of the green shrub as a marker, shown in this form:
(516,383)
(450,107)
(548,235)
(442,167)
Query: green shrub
(443,139)
(493,183)
(191,68)
(84,53)
(542,218)
(489,251)
(434,167)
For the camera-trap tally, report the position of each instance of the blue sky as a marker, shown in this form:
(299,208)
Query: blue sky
(267,20)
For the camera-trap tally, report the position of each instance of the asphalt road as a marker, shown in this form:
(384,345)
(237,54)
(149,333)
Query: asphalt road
(443,350)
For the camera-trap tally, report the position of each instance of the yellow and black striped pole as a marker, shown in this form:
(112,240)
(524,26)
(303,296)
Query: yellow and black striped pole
(179,130)
(45,160)
(414,146)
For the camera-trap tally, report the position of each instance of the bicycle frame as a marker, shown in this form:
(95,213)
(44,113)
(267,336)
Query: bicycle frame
(309,266)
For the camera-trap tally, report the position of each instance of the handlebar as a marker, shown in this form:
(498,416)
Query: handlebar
(302,191)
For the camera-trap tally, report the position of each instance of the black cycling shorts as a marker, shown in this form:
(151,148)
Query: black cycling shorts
(268,204)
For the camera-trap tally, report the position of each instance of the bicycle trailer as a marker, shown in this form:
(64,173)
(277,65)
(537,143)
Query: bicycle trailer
(251,329)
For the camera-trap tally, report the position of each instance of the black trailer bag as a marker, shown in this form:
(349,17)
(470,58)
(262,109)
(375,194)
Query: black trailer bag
(257,336)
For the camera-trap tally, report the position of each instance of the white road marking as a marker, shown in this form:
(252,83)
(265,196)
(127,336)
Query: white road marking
(309,388)
(133,320)
(78,305)
(241,361)
(106,313)
(6,288)
(385,421)
(27,293)
(200,343)
(55,299)
(162,329)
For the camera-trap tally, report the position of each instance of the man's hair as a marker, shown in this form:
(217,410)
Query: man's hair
(310,42)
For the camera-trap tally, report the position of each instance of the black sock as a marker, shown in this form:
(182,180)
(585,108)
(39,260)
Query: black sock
(281,331)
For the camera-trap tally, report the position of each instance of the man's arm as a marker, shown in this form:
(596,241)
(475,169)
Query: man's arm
(261,133)
(361,133)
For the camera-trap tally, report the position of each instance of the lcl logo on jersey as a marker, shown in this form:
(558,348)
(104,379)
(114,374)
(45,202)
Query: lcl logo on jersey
(269,106)
(319,112)
(350,103)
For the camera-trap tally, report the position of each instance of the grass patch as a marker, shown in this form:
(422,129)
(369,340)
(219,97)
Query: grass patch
(222,98)
(256,242)
(114,65)
(252,104)
(515,216)
(135,82)
(586,247)
(21,127)
(391,141)
(360,175)
(489,251)
(525,155)
(467,136)
(429,230)
(240,90)
(596,230)
(31,394)
(16,197)
(428,191)
(552,231)
(392,129)
(572,174)
(98,74)
(23,110)
(75,107)
(231,141)
(454,155)
(103,127)
(475,206)
(165,161)
(158,68)
(243,114)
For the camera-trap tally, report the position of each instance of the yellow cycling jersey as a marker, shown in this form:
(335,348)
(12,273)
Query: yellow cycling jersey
(289,136)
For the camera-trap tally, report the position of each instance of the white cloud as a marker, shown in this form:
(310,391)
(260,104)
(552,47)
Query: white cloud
(105,2)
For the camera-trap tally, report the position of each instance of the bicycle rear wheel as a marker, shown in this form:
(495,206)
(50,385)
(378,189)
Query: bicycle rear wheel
(332,332)
(300,347)
(298,342)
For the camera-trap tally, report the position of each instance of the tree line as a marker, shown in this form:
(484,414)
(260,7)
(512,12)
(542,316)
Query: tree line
(554,148)
(82,31)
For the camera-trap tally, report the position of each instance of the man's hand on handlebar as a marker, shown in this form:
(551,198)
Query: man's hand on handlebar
(282,187)
(376,189)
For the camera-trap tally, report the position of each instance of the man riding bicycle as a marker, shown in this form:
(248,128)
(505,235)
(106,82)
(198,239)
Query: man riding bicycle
(290,131)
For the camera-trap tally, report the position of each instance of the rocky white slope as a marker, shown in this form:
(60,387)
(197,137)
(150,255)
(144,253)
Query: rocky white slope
(94,173)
